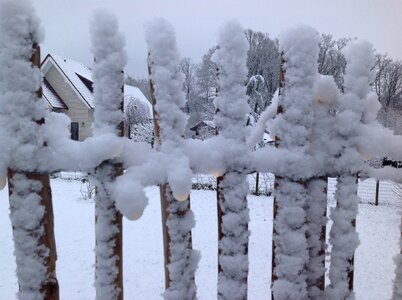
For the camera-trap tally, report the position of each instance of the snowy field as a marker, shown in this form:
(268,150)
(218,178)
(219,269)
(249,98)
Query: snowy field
(378,228)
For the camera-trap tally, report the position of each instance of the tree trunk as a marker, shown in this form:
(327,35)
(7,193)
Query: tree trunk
(42,234)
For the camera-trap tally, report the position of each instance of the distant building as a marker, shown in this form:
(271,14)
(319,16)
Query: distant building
(68,88)
(203,130)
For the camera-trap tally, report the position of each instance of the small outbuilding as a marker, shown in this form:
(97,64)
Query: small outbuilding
(203,130)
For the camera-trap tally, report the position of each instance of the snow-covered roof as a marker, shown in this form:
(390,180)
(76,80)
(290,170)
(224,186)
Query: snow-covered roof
(80,77)
(210,123)
(203,123)
(73,70)
(51,96)
(132,91)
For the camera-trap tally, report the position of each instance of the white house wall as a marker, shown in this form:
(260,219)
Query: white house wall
(77,110)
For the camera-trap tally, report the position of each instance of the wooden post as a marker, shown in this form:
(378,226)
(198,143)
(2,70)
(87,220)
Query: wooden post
(166,195)
(50,288)
(162,187)
(277,178)
(377,192)
(111,169)
(352,260)
(257,183)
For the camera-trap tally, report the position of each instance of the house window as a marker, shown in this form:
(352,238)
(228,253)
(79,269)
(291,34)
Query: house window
(74,131)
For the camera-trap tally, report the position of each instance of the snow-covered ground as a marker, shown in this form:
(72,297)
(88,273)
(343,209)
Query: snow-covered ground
(378,228)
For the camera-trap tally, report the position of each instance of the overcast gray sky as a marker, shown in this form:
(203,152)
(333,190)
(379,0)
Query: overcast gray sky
(66,23)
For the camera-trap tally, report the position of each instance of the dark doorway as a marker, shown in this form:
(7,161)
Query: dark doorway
(74,131)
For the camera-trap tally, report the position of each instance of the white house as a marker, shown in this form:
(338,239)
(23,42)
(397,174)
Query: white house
(68,88)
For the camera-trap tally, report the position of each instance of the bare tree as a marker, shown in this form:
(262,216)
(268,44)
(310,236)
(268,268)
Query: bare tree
(207,76)
(388,81)
(263,59)
(331,61)
(188,69)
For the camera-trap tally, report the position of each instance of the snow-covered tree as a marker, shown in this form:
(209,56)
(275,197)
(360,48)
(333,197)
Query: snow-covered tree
(331,60)
(167,82)
(138,122)
(230,120)
(257,91)
(22,118)
(110,59)
(207,76)
(263,59)
(189,87)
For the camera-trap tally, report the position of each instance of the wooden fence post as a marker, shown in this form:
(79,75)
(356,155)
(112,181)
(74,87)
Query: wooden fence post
(109,170)
(169,205)
(50,287)
(377,192)
(277,179)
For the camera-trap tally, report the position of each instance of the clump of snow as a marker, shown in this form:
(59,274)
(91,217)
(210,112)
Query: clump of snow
(257,133)
(397,291)
(165,74)
(110,59)
(26,214)
(20,107)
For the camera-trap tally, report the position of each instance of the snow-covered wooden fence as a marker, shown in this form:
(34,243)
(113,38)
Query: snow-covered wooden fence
(320,131)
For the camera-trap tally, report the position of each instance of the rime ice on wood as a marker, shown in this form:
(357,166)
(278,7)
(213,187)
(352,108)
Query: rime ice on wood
(110,59)
(167,81)
(26,216)
(397,289)
(108,76)
(321,149)
(22,114)
(293,127)
(230,119)
(350,120)
(164,60)
(20,108)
